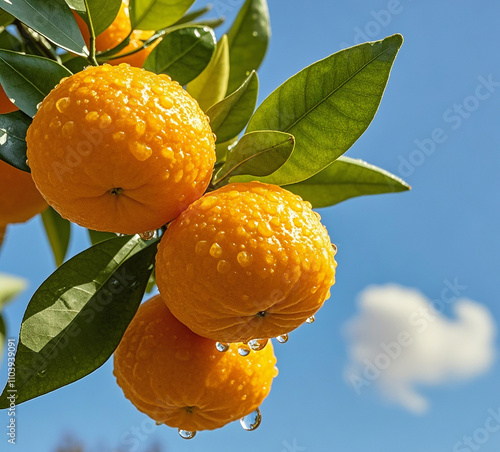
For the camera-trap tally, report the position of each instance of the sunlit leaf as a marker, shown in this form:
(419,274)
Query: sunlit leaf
(346,178)
(77,317)
(211,85)
(230,116)
(248,41)
(10,287)
(327,106)
(157,14)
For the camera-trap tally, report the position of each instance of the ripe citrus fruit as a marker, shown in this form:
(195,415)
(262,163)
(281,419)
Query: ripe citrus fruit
(247,261)
(6,106)
(120,149)
(179,378)
(19,200)
(116,33)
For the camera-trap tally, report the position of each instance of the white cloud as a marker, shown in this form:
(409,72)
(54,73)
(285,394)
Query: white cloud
(400,340)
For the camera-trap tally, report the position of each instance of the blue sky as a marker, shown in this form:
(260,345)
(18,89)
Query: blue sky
(444,229)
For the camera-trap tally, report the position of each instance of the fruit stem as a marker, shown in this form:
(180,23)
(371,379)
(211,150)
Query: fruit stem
(92,58)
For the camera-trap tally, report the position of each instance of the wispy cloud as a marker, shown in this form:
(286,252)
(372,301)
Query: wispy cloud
(400,339)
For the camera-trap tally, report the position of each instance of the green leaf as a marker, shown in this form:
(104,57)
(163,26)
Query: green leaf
(5,18)
(13,128)
(52,19)
(212,23)
(211,85)
(327,106)
(346,178)
(3,335)
(27,79)
(183,53)
(10,287)
(256,154)
(157,14)
(77,317)
(230,116)
(248,40)
(221,149)
(10,42)
(99,236)
(58,232)
(75,64)
(102,13)
(192,15)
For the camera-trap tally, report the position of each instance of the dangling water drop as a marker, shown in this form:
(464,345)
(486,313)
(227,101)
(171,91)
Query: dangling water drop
(257,344)
(251,421)
(186,434)
(244,350)
(222,346)
(311,319)
(159,423)
(282,338)
(148,235)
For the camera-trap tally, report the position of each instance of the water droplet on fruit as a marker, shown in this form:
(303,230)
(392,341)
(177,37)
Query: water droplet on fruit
(38,105)
(222,346)
(334,247)
(257,344)
(282,338)
(244,350)
(251,421)
(148,235)
(311,319)
(186,434)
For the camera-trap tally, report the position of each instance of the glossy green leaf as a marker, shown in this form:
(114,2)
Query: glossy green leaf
(182,54)
(256,154)
(157,14)
(13,128)
(221,149)
(211,85)
(10,287)
(230,116)
(52,19)
(27,79)
(347,178)
(75,64)
(5,18)
(248,41)
(102,13)
(327,106)
(99,236)
(77,317)
(10,42)
(58,232)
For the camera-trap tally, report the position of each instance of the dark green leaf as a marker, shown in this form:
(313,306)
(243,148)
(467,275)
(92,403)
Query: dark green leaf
(10,42)
(256,154)
(192,15)
(27,79)
(58,232)
(327,106)
(76,64)
(346,178)
(157,14)
(102,13)
(10,287)
(183,53)
(98,236)
(248,41)
(13,128)
(52,19)
(230,116)
(77,317)
(211,85)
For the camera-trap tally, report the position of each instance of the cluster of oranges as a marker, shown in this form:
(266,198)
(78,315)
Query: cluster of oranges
(120,149)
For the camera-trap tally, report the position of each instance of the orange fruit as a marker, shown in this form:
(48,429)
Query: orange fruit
(120,149)
(20,199)
(6,106)
(180,379)
(116,33)
(247,261)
